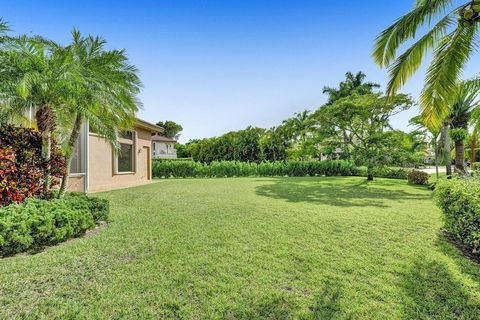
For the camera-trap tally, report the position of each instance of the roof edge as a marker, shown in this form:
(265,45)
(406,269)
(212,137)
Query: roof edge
(147,125)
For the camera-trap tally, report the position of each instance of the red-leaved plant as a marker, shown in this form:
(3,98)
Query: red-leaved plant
(22,170)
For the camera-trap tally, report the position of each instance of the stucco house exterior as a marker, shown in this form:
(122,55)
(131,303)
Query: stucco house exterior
(163,147)
(96,166)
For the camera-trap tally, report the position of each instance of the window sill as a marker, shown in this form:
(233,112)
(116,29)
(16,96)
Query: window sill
(74,175)
(124,173)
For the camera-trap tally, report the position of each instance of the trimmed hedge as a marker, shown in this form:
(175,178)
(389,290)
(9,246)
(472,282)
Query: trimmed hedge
(37,223)
(191,169)
(418,177)
(459,200)
(386,172)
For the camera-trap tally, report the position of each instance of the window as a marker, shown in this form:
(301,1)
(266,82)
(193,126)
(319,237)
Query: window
(125,158)
(126,154)
(126,135)
(77,165)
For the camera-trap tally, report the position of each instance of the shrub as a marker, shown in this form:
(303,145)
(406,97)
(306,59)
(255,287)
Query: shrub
(36,222)
(459,200)
(418,177)
(190,169)
(475,166)
(22,170)
(386,172)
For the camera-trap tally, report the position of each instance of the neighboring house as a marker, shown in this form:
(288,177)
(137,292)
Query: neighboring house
(96,166)
(163,147)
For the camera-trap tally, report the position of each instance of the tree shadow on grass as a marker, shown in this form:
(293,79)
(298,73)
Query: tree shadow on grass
(468,263)
(433,292)
(283,305)
(327,304)
(338,192)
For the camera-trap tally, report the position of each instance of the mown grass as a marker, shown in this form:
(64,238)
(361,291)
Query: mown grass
(252,248)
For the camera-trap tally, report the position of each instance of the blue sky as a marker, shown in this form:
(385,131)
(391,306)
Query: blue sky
(217,66)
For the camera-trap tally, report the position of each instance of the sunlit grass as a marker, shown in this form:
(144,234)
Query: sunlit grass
(252,248)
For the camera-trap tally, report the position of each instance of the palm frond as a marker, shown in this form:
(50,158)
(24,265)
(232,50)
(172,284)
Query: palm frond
(405,28)
(444,72)
(410,61)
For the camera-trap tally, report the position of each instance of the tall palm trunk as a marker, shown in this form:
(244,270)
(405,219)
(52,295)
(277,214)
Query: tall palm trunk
(446,148)
(460,156)
(437,154)
(69,153)
(46,122)
(473,147)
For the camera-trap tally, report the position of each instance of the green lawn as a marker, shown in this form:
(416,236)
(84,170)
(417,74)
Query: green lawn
(252,248)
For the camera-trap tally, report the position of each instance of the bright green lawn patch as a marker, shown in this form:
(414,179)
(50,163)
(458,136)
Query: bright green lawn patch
(253,248)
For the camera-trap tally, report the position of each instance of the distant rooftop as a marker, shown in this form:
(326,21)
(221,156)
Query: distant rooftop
(163,138)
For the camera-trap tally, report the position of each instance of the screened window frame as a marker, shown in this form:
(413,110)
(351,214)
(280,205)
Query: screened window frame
(133,143)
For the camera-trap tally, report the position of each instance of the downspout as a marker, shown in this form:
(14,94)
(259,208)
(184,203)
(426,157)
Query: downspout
(86,129)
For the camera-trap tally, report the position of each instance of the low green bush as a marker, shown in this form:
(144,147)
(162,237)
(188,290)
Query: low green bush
(37,223)
(386,172)
(190,169)
(418,177)
(475,166)
(459,200)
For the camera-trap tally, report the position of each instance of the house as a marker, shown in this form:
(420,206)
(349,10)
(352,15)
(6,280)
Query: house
(163,147)
(96,166)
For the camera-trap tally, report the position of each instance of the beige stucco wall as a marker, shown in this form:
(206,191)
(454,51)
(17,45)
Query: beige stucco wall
(76,183)
(101,163)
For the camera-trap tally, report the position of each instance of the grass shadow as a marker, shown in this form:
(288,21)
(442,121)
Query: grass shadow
(432,292)
(338,191)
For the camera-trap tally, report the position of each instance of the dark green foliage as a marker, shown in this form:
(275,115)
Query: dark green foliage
(99,208)
(191,169)
(418,177)
(171,128)
(243,145)
(386,172)
(36,223)
(459,200)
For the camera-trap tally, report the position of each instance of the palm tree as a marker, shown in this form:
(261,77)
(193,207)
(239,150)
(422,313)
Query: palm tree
(353,83)
(473,140)
(419,123)
(35,76)
(105,93)
(465,103)
(452,35)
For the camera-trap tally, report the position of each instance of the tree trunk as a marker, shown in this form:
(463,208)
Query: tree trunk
(460,156)
(447,149)
(69,153)
(473,146)
(46,123)
(369,173)
(436,162)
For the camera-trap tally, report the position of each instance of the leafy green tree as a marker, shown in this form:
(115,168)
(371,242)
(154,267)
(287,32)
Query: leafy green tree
(419,123)
(354,83)
(451,33)
(171,128)
(274,144)
(365,121)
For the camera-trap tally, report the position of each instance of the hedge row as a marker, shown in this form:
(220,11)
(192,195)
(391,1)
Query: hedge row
(37,223)
(191,169)
(459,200)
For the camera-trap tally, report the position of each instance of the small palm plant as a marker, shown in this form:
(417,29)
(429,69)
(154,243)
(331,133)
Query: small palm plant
(105,91)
